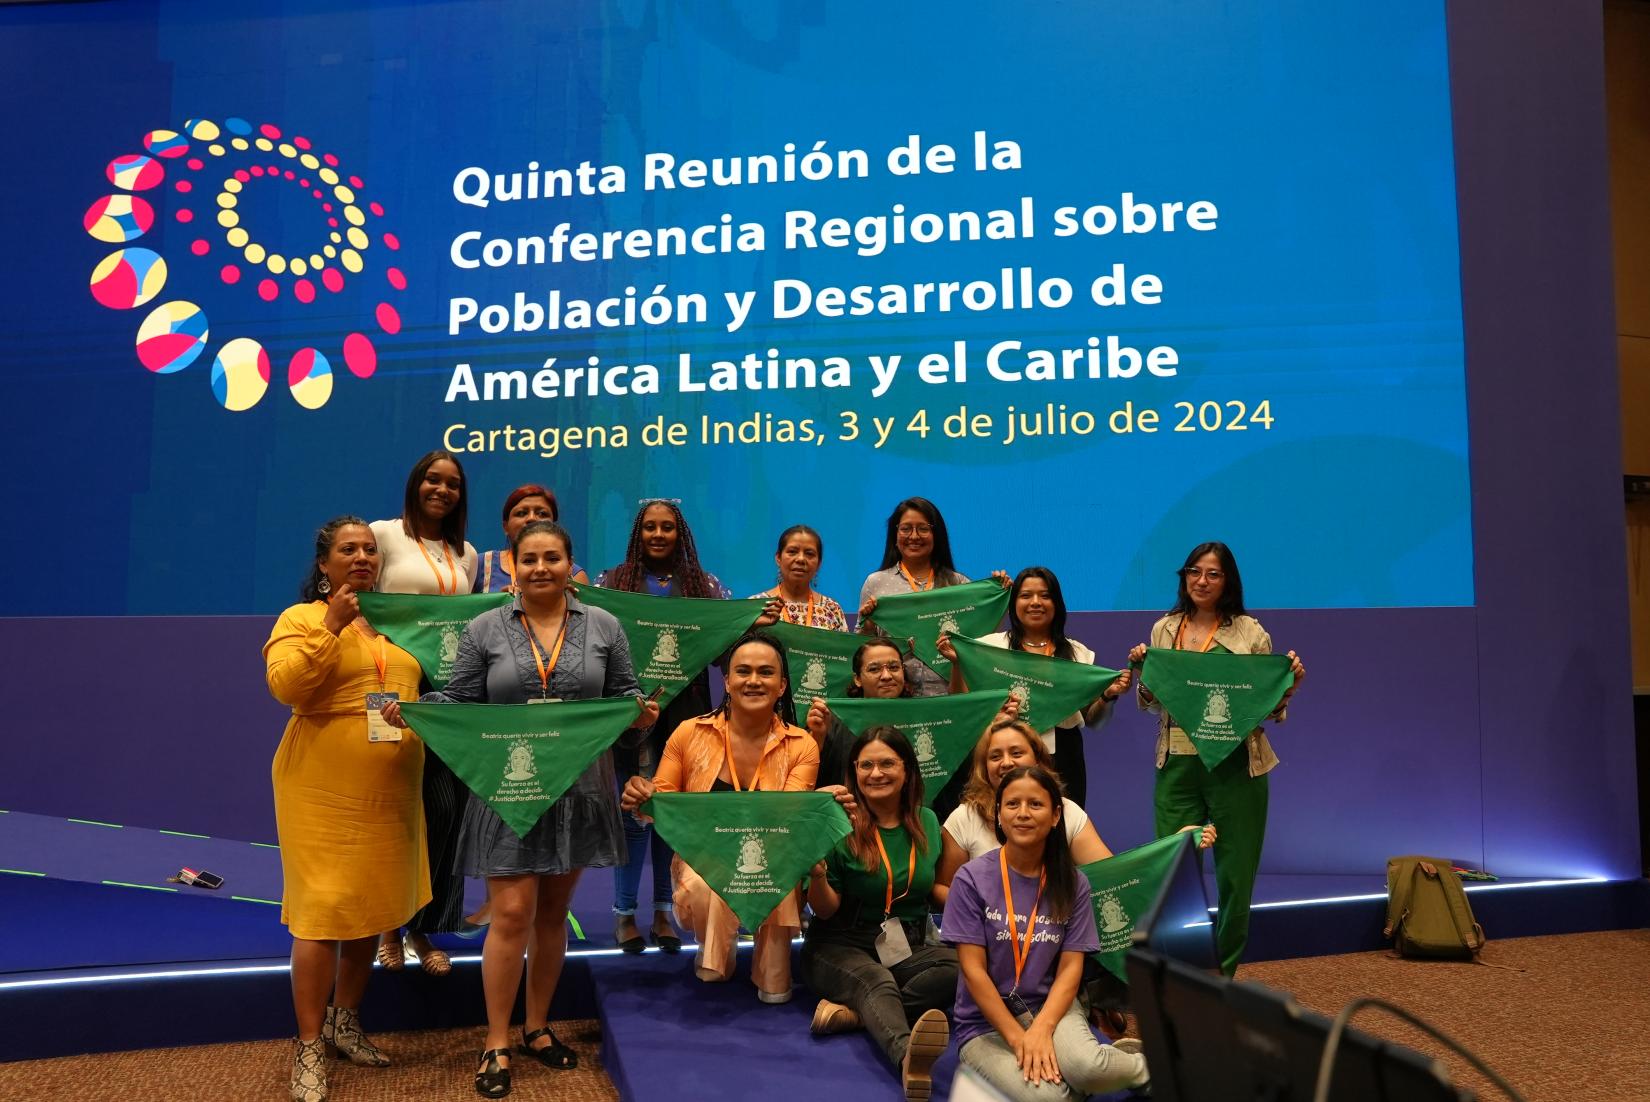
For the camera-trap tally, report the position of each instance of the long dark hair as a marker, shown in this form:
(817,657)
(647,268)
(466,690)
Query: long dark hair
(1230,605)
(940,558)
(631,574)
(452,525)
(325,537)
(854,687)
(1058,868)
(785,706)
(863,841)
(1056,627)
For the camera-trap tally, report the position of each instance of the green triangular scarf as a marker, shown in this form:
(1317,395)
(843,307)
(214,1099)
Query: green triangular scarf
(972,609)
(672,639)
(942,729)
(1125,884)
(751,847)
(520,758)
(1217,699)
(1050,689)
(821,662)
(426,626)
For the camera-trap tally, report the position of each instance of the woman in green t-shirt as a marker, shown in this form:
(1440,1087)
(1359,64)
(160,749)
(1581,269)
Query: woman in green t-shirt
(865,951)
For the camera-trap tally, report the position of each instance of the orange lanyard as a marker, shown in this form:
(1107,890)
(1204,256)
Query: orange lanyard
(785,609)
(379,657)
(510,568)
(733,770)
(911,580)
(545,668)
(452,567)
(1022,950)
(888,866)
(1180,636)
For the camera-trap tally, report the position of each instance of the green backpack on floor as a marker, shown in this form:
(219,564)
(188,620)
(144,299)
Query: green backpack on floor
(1427,913)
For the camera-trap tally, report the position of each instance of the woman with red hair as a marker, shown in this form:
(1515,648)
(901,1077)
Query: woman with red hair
(526,504)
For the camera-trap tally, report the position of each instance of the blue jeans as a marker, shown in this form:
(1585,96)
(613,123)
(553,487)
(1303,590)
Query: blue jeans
(627,878)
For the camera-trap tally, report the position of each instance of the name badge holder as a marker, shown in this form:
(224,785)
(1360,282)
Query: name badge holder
(1015,1003)
(892,945)
(378,730)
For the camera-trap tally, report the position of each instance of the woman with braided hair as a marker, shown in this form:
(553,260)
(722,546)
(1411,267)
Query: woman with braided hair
(660,559)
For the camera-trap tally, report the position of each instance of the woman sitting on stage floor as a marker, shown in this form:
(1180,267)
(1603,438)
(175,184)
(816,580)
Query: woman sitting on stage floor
(865,951)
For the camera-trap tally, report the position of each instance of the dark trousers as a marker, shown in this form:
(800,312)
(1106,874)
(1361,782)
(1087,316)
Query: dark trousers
(444,798)
(841,964)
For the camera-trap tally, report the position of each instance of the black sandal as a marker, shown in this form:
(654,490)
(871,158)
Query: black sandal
(633,944)
(493,1080)
(553,1055)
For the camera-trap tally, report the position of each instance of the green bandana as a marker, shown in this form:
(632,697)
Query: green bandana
(972,609)
(1125,884)
(942,729)
(1217,699)
(821,663)
(673,639)
(1050,690)
(752,848)
(427,627)
(520,758)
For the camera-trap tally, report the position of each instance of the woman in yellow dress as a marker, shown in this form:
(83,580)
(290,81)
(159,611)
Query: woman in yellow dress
(348,805)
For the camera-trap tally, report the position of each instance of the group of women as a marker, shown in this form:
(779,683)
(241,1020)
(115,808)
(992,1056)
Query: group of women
(377,836)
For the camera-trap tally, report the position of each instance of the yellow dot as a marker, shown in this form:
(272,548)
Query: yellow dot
(357,237)
(265,144)
(352,260)
(215,149)
(204,130)
(238,237)
(343,194)
(353,216)
(316,261)
(239,143)
(227,218)
(285,149)
(309,160)
(254,253)
(277,263)
(330,251)
(226,200)
(298,266)
(233,185)
(336,239)
(329,176)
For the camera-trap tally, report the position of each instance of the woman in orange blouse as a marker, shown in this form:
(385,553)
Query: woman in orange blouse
(751,743)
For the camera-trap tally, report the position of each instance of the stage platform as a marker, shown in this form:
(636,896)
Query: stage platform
(91,934)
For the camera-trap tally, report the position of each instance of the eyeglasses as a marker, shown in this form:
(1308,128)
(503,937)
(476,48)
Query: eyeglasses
(914,529)
(876,668)
(1192,572)
(887,765)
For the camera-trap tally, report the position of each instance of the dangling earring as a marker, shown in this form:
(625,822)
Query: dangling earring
(324,586)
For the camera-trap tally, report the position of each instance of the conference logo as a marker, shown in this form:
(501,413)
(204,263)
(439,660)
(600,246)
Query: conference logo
(262,229)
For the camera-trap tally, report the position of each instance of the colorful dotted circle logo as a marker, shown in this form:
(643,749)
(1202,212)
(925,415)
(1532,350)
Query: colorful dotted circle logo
(226,177)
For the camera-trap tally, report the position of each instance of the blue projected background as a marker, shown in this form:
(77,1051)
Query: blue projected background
(1313,416)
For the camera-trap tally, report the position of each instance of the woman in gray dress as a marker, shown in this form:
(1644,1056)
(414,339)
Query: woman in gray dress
(543,645)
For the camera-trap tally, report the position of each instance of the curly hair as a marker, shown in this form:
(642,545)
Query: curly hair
(691,578)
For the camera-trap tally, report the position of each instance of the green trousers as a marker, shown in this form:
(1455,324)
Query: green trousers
(1188,792)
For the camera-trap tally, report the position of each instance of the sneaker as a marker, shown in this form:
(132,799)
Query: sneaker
(929,1036)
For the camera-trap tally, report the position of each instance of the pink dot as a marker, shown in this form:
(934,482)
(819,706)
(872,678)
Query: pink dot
(268,290)
(392,242)
(333,161)
(230,274)
(290,175)
(304,290)
(360,356)
(327,207)
(256,170)
(195,163)
(242,175)
(317,193)
(200,246)
(185,215)
(376,209)
(303,183)
(355,182)
(301,142)
(333,222)
(397,279)
(388,320)
(269,131)
(183,185)
(332,279)
(274,170)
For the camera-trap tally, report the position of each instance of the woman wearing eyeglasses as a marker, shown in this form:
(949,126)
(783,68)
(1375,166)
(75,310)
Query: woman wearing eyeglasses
(1208,615)
(916,557)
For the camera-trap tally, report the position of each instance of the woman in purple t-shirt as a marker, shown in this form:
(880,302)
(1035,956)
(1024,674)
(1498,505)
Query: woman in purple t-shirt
(1022,923)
